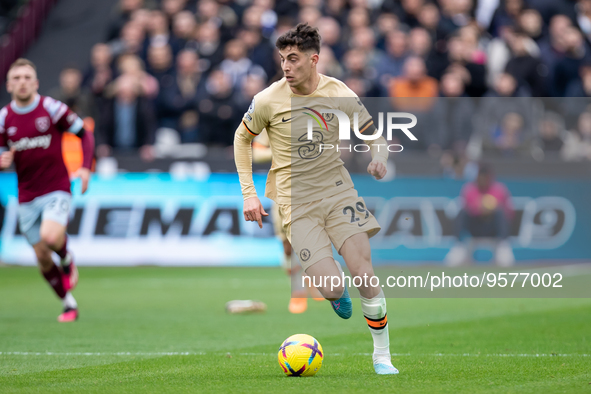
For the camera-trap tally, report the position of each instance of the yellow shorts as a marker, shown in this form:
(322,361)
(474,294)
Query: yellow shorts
(313,226)
(277,222)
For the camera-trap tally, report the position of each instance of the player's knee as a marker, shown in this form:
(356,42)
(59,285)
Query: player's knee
(51,240)
(332,293)
(365,271)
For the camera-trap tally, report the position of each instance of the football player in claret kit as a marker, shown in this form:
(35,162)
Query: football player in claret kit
(315,193)
(31,128)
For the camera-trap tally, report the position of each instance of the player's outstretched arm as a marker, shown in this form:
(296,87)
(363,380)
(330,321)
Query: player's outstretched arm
(253,209)
(6,159)
(87,139)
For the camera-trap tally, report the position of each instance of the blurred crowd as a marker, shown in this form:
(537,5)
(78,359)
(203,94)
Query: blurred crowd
(193,66)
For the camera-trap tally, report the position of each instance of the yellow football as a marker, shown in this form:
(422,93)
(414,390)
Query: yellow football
(300,355)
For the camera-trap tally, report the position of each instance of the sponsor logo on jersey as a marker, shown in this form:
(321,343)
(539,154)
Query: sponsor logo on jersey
(12,131)
(42,124)
(43,141)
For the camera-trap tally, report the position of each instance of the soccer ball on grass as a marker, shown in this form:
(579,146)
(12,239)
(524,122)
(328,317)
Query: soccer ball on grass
(300,355)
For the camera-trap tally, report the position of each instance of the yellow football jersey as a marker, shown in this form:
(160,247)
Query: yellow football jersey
(302,171)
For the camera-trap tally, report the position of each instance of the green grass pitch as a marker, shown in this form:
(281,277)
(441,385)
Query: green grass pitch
(131,317)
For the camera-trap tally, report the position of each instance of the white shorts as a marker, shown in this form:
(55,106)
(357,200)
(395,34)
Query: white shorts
(54,206)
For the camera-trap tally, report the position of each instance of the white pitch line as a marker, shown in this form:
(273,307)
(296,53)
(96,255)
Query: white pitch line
(273,354)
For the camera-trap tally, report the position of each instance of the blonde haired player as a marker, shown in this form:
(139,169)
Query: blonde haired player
(32,126)
(298,303)
(318,216)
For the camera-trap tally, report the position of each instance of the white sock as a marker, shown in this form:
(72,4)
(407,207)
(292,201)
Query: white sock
(374,310)
(66,260)
(69,301)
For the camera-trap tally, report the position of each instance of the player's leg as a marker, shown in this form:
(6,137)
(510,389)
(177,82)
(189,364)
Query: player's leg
(350,225)
(311,243)
(357,254)
(327,276)
(298,303)
(56,209)
(53,235)
(54,277)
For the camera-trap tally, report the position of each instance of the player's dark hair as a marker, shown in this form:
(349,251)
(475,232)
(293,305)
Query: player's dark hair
(22,62)
(304,37)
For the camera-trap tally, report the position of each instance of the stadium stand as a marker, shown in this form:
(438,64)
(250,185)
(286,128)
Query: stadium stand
(189,69)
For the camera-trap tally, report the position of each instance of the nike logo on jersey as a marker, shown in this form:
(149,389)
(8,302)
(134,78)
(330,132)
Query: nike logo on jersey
(287,120)
(361,225)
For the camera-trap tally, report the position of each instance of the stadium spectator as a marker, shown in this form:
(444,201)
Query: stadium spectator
(421,45)
(328,64)
(486,212)
(566,69)
(259,50)
(551,134)
(133,65)
(330,31)
(128,123)
(131,41)
(582,86)
(120,15)
(527,69)
(177,102)
(506,15)
(173,7)
(100,72)
(183,29)
(454,115)
(386,23)
(508,138)
(236,65)
(396,53)
(158,32)
(365,40)
(414,81)
(506,86)
(583,10)
(468,60)
(553,47)
(71,92)
(577,145)
(410,11)
(219,111)
(336,9)
(160,63)
(505,48)
(251,85)
(531,23)
(355,63)
(208,45)
(219,15)
(439,27)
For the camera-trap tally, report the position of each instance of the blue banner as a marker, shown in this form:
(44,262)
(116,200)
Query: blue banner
(154,219)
